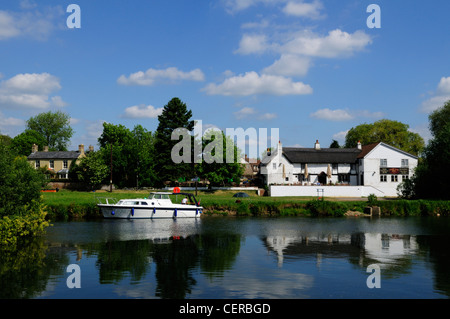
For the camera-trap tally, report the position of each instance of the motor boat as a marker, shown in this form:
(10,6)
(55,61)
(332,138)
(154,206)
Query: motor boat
(157,205)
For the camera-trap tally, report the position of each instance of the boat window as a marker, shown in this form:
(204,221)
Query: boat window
(144,203)
(165,196)
(157,196)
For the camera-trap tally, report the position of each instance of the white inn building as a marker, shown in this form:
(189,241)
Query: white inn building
(370,169)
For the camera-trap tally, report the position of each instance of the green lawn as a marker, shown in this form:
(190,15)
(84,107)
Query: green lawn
(207,198)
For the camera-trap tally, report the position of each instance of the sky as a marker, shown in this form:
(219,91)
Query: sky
(312,69)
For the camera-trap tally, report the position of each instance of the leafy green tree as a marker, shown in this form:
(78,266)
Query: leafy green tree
(132,154)
(175,115)
(143,157)
(20,184)
(91,170)
(215,167)
(5,140)
(115,146)
(54,127)
(432,176)
(390,132)
(23,142)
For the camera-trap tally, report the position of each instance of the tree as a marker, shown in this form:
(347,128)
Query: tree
(175,115)
(20,184)
(335,144)
(390,132)
(143,157)
(132,154)
(432,176)
(91,170)
(114,145)
(54,127)
(215,167)
(23,142)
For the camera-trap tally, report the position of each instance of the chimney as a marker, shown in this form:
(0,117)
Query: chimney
(91,148)
(45,148)
(81,149)
(34,148)
(359,145)
(317,145)
(280,151)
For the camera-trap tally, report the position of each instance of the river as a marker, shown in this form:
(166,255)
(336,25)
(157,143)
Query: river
(234,258)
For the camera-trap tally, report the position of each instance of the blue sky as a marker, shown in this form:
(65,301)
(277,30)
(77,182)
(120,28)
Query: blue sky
(312,68)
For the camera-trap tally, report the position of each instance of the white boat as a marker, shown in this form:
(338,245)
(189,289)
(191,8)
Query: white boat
(157,205)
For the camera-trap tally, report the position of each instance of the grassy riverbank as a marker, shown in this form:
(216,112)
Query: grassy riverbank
(70,205)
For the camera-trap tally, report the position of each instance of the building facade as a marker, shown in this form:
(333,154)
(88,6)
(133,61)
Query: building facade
(378,165)
(57,162)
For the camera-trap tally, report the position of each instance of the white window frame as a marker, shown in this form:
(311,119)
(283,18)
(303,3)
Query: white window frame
(383,162)
(405,162)
(51,164)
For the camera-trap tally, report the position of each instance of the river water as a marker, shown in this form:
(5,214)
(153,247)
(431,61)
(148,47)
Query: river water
(234,258)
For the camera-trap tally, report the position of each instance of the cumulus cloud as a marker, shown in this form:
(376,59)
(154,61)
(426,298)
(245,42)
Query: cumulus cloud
(439,97)
(303,9)
(30,90)
(10,125)
(30,22)
(337,43)
(343,115)
(151,76)
(340,136)
(252,43)
(289,65)
(332,115)
(142,111)
(251,83)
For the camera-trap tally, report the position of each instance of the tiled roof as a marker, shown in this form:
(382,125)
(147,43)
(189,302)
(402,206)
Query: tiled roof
(54,155)
(366,149)
(323,155)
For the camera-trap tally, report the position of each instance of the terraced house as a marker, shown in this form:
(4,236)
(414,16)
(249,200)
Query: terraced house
(57,162)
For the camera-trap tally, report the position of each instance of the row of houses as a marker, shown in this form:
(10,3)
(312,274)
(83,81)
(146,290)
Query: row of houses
(379,165)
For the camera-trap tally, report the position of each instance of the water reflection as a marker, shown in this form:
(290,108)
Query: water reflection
(224,258)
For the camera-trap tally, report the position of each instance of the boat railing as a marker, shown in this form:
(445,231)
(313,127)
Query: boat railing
(106,200)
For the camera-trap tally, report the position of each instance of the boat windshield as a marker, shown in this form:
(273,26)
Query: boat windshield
(159,196)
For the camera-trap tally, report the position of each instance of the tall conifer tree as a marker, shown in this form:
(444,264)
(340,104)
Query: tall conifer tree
(175,115)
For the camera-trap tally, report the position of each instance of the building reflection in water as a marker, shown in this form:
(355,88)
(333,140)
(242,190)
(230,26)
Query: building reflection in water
(383,249)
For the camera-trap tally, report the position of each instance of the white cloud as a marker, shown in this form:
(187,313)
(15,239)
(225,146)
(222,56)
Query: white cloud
(289,65)
(142,111)
(337,43)
(332,115)
(251,83)
(340,136)
(244,112)
(302,9)
(251,44)
(233,6)
(30,22)
(30,90)
(268,116)
(10,126)
(344,115)
(439,98)
(444,85)
(151,76)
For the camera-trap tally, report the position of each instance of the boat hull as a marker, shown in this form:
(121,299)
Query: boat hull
(116,211)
